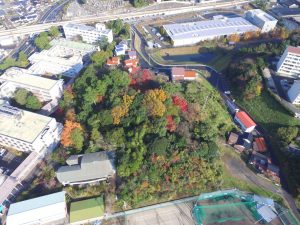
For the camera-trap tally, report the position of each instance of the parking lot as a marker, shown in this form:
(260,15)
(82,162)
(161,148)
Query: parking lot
(8,161)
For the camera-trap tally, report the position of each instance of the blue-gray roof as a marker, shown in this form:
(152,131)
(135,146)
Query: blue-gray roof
(35,203)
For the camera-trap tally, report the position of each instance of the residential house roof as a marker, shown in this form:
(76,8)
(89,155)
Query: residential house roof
(255,156)
(245,119)
(190,74)
(113,61)
(275,169)
(233,138)
(266,213)
(132,54)
(86,209)
(91,166)
(131,62)
(294,50)
(259,144)
(178,71)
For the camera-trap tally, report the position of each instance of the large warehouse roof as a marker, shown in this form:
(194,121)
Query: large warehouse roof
(217,27)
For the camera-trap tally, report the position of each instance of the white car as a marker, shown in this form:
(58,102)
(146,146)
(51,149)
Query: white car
(158,34)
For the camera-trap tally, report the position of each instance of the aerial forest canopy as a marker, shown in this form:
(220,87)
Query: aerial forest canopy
(165,134)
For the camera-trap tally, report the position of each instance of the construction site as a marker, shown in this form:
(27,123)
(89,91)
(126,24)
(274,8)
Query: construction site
(227,207)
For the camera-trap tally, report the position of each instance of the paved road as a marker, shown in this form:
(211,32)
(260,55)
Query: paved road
(52,12)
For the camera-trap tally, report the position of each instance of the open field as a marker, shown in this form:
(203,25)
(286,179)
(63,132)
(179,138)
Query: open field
(217,58)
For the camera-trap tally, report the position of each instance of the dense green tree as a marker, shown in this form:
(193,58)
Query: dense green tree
(139,3)
(287,134)
(159,146)
(77,138)
(99,58)
(54,31)
(21,96)
(22,59)
(33,103)
(42,41)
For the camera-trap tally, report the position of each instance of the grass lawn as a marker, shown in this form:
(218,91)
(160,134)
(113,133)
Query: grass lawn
(219,60)
(268,113)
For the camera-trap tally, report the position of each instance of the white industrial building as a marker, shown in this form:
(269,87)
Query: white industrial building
(89,34)
(64,48)
(294,92)
(55,61)
(26,131)
(43,88)
(261,19)
(194,32)
(48,209)
(289,63)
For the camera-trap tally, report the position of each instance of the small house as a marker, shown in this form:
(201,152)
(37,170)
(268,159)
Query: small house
(178,73)
(131,63)
(259,161)
(132,54)
(272,172)
(233,138)
(113,61)
(190,75)
(259,145)
(245,122)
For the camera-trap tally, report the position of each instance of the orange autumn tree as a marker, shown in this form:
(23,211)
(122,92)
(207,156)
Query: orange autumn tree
(234,38)
(69,126)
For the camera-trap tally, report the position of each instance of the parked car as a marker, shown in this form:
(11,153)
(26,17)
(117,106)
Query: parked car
(158,34)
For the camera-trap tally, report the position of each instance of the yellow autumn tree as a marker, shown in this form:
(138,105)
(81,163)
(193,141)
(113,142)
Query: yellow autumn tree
(122,110)
(153,100)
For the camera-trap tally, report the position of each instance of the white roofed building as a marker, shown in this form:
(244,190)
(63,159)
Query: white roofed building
(261,19)
(89,34)
(48,209)
(65,47)
(55,61)
(27,131)
(43,88)
(194,32)
(289,63)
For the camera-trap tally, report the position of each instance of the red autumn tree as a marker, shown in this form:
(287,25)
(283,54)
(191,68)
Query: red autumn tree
(181,102)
